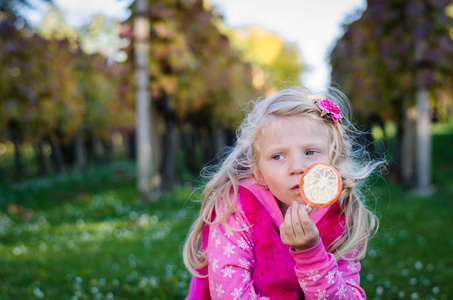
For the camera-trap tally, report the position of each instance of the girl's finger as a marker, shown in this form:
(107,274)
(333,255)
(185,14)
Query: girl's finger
(309,228)
(289,220)
(296,221)
(286,231)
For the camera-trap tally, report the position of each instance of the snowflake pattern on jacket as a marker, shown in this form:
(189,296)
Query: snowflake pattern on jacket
(232,262)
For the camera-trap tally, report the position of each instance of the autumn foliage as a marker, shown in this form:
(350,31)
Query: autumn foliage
(192,62)
(202,75)
(387,54)
(54,92)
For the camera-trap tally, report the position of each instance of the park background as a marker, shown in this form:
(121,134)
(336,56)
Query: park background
(76,224)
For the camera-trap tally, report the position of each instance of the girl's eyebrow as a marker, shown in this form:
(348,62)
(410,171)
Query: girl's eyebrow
(274,149)
(281,147)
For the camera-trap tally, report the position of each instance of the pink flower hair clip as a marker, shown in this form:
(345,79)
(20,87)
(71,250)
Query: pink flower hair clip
(329,110)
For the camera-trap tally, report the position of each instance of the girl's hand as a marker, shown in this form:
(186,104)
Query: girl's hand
(298,230)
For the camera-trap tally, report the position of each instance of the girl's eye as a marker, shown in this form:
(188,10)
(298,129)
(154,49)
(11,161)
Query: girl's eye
(277,157)
(310,152)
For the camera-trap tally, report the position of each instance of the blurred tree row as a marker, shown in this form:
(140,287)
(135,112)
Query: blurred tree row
(52,92)
(397,54)
(197,83)
(276,62)
(15,6)
(199,78)
(61,86)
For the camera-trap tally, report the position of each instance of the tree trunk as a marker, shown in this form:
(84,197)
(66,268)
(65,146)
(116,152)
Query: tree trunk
(206,144)
(169,166)
(81,155)
(107,145)
(423,150)
(423,126)
(396,165)
(131,145)
(220,139)
(189,148)
(141,47)
(41,159)
(408,147)
(98,154)
(57,156)
(18,165)
(157,153)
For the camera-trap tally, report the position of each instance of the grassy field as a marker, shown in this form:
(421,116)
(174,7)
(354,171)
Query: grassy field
(86,236)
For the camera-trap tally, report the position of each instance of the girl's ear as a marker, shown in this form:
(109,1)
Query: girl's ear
(258,175)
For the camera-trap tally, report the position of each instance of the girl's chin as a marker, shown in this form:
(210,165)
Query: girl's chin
(301,201)
(298,198)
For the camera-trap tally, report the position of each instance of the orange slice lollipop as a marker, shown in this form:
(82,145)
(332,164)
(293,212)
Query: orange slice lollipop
(320,185)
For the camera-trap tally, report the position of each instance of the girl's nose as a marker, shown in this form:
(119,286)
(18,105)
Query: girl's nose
(298,166)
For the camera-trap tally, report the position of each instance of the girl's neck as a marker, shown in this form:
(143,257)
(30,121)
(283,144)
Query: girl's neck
(283,208)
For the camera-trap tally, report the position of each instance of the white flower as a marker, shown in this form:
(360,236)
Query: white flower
(215,264)
(213,234)
(246,276)
(219,291)
(330,277)
(228,233)
(228,249)
(313,275)
(341,292)
(228,271)
(352,265)
(322,295)
(237,293)
(242,244)
(252,293)
(217,242)
(351,282)
(244,263)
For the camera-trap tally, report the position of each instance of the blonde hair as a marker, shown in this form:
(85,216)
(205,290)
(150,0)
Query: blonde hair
(222,188)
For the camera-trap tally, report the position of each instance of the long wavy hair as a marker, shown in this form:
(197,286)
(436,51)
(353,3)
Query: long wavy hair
(220,192)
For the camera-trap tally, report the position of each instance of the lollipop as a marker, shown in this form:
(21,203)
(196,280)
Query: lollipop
(320,185)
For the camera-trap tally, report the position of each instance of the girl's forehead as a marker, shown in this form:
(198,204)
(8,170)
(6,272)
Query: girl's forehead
(287,125)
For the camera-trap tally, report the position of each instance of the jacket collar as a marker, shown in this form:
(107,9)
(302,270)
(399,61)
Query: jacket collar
(268,201)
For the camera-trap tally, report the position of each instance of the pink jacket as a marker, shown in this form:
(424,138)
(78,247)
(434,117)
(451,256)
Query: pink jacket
(254,263)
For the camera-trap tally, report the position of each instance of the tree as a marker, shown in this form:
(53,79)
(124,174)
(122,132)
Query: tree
(197,81)
(141,47)
(398,53)
(14,6)
(40,98)
(101,35)
(277,61)
(52,92)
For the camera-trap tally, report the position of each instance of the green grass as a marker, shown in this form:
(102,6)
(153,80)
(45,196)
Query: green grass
(86,236)
(410,258)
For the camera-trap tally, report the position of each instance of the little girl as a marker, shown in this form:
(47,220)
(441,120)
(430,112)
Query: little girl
(254,237)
